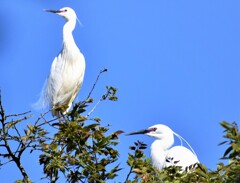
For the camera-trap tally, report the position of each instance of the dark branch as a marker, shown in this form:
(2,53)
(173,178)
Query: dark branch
(20,114)
(90,93)
(5,144)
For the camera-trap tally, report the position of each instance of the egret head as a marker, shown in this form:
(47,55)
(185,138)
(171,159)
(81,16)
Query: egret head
(158,131)
(66,12)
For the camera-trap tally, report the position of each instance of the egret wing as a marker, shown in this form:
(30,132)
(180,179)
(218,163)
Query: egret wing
(180,156)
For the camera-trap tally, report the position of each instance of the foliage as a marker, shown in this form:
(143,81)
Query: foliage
(229,173)
(77,146)
(140,165)
(81,152)
(81,149)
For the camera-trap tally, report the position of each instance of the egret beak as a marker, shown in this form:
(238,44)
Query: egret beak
(143,131)
(53,11)
(140,132)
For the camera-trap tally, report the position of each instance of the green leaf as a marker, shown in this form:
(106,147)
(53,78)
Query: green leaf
(229,149)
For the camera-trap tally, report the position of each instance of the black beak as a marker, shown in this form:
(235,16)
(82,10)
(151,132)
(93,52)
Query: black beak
(139,132)
(53,11)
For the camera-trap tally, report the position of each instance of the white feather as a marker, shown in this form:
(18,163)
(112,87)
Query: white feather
(67,70)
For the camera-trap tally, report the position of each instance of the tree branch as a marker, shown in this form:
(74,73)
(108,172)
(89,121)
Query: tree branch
(6,144)
(20,114)
(90,112)
(102,71)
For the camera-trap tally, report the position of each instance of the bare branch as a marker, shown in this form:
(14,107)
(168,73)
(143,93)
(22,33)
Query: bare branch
(90,112)
(41,117)
(1,164)
(19,135)
(104,97)
(4,155)
(20,114)
(102,71)
(6,144)
(1,110)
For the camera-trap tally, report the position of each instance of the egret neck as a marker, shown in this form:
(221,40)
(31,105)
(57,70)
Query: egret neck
(68,40)
(160,146)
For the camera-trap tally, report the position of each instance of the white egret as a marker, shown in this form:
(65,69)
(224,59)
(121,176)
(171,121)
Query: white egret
(161,153)
(67,70)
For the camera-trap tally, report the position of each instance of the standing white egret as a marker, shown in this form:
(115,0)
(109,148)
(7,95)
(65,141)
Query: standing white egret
(67,70)
(161,153)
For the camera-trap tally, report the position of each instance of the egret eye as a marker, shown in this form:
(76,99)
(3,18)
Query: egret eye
(65,10)
(154,129)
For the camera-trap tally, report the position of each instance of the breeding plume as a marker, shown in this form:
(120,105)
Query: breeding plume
(67,70)
(162,155)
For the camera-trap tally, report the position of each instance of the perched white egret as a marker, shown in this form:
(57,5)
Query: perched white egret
(67,70)
(161,153)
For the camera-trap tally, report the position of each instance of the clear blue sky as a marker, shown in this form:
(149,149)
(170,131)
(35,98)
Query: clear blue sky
(173,62)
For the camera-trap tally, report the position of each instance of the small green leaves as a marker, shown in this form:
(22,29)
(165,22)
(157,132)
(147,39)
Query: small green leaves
(97,120)
(114,136)
(81,151)
(111,94)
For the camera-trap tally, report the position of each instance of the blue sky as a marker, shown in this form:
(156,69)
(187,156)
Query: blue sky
(173,62)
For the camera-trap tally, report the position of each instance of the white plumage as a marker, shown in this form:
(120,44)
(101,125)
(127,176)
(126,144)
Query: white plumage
(162,155)
(67,70)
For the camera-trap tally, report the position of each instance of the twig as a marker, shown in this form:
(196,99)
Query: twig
(1,109)
(19,145)
(41,116)
(19,135)
(130,171)
(45,121)
(104,97)
(134,161)
(102,71)
(1,164)
(20,141)
(20,114)
(49,122)
(90,112)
